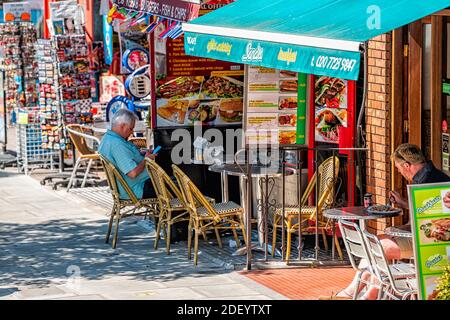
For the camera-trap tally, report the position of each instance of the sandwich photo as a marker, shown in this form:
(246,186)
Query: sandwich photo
(287,74)
(327,123)
(287,103)
(288,86)
(287,137)
(174,111)
(287,120)
(203,111)
(439,229)
(231,110)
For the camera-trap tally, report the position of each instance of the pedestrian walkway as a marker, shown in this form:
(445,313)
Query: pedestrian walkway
(52,247)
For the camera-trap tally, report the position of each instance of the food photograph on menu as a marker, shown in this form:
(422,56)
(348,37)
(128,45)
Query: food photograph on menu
(330,99)
(209,100)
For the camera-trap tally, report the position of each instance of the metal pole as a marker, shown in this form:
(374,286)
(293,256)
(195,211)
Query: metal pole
(316,200)
(299,197)
(332,221)
(266,214)
(250,211)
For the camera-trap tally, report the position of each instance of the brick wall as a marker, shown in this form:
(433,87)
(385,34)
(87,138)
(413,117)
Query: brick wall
(378,133)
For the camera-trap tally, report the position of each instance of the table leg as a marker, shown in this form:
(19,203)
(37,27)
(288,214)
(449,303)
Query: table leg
(333,244)
(224,181)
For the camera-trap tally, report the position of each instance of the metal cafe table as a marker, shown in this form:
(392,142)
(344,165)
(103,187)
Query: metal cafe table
(266,181)
(354,213)
(400,231)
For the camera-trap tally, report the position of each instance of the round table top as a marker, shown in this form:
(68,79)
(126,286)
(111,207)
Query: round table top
(400,231)
(360,213)
(103,126)
(257,171)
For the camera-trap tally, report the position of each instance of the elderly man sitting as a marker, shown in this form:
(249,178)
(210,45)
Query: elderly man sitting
(125,156)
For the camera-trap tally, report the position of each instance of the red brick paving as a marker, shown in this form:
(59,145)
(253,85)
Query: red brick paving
(303,283)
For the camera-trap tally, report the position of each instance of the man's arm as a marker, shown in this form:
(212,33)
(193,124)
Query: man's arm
(397,199)
(140,167)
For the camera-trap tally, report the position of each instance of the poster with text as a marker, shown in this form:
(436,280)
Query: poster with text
(330,100)
(193,90)
(273,106)
(429,205)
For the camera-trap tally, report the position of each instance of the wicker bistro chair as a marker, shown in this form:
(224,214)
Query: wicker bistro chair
(398,280)
(326,181)
(138,142)
(207,216)
(356,249)
(145,206)
(80,135)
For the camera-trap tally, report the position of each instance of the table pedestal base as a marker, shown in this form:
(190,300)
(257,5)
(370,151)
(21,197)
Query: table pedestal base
(256,247)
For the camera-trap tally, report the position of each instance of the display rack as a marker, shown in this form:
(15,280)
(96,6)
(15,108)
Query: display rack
(18,60)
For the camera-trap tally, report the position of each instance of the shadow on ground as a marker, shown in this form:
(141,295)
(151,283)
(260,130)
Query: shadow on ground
(42,253)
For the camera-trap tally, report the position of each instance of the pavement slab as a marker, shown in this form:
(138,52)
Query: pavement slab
(52,246)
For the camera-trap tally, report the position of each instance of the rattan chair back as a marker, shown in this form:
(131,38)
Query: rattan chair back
(114,177)
(139,142)
(192,196)
(77,134)
(165,188)
(325,177)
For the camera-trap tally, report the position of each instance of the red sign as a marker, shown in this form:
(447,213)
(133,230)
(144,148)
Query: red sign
(179,64)
(444,126)
(171,9)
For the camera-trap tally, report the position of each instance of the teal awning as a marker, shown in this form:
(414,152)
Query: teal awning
(320,37)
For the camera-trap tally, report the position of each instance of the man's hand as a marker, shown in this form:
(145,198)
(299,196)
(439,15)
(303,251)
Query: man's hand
(397,199)
(149,155)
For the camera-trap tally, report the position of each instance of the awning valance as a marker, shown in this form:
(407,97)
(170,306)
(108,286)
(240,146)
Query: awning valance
(320,37)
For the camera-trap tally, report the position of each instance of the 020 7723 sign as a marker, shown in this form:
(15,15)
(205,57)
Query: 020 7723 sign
(333,63)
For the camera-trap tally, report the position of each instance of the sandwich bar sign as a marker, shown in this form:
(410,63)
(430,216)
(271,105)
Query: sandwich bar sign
(429,205)
(179,10)
(296,58)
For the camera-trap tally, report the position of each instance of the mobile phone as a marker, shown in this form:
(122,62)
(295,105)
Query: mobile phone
(156,150)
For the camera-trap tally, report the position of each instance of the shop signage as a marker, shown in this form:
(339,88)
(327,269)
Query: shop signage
(310,60)
(429,206)
(108,41)
(445,151)
(171,9)
(301,110)
(2,111)
(17,11)
(446,87)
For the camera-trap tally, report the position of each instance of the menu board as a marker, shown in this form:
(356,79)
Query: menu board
(197,90)
(429,205)
(330,100)
(273,106)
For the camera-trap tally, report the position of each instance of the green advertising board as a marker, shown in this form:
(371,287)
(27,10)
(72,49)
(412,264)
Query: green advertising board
(429,205)
(301,110)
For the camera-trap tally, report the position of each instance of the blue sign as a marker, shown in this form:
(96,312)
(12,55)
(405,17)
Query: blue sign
(108,40)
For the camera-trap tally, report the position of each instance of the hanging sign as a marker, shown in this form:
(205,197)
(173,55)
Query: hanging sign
(179,10)
(429,206)
(16,11)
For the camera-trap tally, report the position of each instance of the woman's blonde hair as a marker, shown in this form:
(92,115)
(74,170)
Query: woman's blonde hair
(408,153)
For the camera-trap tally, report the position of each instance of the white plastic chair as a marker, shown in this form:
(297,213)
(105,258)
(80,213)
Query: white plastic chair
(397,279)
(356,249)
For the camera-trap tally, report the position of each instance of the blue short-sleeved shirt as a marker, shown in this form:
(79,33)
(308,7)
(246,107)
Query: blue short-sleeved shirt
(125,156)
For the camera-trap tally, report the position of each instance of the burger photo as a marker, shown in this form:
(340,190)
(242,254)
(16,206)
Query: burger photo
(231,110)
(288,86)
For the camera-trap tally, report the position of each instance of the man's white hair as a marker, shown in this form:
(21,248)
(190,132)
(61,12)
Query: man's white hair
(123,116)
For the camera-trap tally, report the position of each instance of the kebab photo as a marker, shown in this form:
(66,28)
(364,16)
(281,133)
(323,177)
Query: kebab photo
(330,92)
